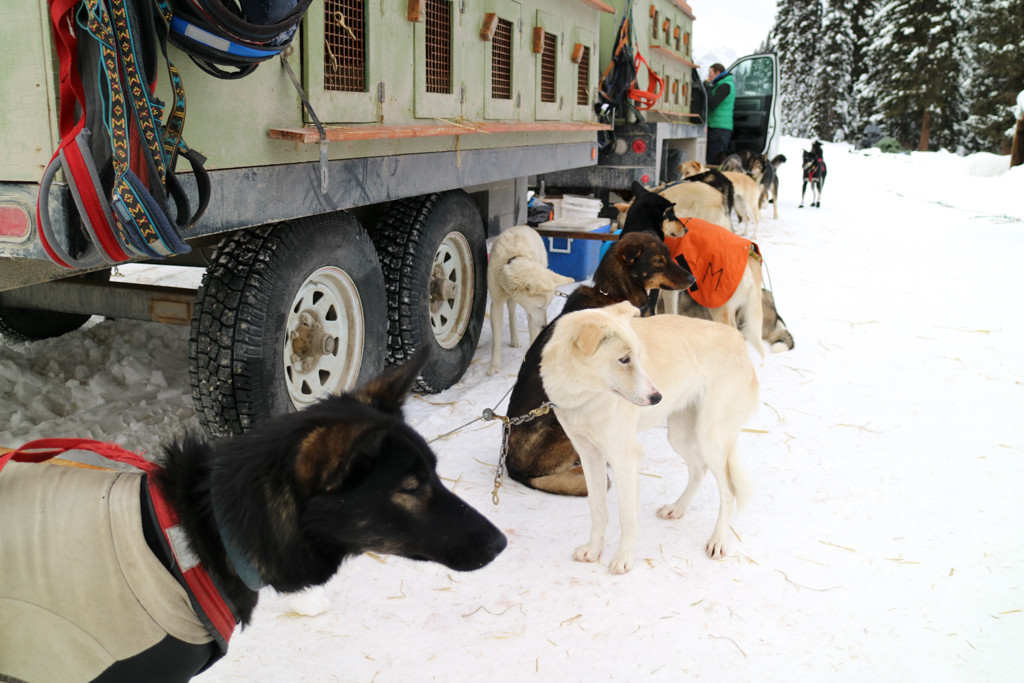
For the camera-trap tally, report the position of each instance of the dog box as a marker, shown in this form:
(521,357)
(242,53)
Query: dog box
(575,258)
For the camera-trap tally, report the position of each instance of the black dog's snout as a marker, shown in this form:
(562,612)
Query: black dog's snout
(498,544)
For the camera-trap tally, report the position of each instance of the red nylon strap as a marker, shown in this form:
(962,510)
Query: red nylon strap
(62,16)
(646,98)
(197,578)
(92,202)
(42,450)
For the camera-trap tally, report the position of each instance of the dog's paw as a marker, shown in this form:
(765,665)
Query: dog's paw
(587,553)
(515,344)
(493,370)
(621,563)
(716,547)
(670,512)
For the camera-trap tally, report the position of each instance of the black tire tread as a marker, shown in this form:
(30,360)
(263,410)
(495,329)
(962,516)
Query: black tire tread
(230,325)
(397,239)
(213,330)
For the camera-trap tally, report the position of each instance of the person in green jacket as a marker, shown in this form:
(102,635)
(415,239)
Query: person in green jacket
(720,107)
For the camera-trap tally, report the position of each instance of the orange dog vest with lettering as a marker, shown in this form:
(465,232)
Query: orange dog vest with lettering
(716,257)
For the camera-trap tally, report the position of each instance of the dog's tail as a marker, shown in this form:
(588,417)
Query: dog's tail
(779,160)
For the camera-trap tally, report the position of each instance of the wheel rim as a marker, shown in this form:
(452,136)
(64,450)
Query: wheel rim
(451,290)
(323,345)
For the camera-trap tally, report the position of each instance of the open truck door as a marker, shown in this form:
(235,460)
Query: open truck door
(756,112)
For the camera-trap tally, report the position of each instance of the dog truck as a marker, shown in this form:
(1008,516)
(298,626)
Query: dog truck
(346,233)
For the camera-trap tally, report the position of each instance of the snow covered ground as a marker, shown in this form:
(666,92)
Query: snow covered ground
(883,540)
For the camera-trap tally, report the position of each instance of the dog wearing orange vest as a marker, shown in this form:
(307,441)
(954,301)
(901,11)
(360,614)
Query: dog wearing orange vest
(727,267)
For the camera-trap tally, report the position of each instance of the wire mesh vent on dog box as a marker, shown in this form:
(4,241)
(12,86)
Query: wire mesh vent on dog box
(583,79)
(501,61)
(345,45)
(547,68)
(439,46)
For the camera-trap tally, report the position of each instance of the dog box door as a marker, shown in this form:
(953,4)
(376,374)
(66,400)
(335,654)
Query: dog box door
(756,113)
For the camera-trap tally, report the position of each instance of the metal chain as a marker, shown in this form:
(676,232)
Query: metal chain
(506,421)
(488,415)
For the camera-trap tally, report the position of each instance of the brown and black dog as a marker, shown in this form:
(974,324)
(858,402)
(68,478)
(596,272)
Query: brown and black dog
(540,455)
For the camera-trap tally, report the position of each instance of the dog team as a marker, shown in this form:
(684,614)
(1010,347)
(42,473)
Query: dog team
(170,556)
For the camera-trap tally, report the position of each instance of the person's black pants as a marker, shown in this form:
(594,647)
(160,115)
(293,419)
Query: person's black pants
(718,143)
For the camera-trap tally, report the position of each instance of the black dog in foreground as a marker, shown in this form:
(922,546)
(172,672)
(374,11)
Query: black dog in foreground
(814,174)
(108,597)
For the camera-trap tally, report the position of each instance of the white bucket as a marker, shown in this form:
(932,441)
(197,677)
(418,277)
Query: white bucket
(580,207)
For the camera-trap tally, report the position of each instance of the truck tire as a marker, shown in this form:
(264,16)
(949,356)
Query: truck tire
(433,251)
(286,314)
(27,324)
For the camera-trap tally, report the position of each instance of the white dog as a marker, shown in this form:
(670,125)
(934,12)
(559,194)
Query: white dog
(610,373)
(517,273)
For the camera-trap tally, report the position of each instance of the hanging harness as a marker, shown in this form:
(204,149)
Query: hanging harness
(219,36)
(117,154)
(207,599)
(120,144)
(618,87)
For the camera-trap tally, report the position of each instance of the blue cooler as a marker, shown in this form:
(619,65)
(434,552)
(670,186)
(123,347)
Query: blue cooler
(575,258)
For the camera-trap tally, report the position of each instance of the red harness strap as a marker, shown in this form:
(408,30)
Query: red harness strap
(645,99)
(198,581)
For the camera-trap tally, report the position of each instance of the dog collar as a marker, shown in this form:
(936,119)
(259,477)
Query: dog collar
(238,558)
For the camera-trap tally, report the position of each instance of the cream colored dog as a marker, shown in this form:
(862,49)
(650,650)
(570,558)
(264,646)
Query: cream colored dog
(746,193)
(610,374)
(517,273)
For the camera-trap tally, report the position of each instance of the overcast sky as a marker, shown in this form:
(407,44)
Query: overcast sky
(740,25)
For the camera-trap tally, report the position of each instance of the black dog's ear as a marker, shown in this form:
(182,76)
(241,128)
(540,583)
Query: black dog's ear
(328,454)
(387,392)
(637,188)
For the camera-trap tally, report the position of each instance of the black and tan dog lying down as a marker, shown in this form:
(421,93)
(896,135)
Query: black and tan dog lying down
(540,455)
(90,589)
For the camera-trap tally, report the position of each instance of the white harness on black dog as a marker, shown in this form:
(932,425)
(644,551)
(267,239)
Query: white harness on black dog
(77,572)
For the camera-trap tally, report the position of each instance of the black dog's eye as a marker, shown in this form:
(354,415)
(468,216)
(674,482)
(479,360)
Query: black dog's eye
(410,485)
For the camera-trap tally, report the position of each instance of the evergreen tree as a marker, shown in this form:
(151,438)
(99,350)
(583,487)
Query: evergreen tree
(915,78)
(997,42)
(862,14)
(833,91)
(795,37)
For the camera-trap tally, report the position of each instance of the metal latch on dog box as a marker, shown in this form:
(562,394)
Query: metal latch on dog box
(312,114)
